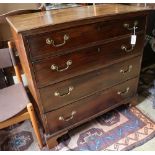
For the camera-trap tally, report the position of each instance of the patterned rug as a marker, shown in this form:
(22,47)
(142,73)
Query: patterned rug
(121,129)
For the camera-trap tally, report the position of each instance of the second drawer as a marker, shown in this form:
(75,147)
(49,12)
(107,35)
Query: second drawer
(66,92)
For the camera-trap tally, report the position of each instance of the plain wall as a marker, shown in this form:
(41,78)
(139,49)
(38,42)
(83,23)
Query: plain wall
(5,33)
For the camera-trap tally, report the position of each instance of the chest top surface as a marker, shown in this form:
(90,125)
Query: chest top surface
(27,22)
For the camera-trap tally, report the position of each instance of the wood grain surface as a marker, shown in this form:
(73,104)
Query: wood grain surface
(26,22)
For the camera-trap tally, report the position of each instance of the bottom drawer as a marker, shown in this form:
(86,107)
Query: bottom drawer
(85,108)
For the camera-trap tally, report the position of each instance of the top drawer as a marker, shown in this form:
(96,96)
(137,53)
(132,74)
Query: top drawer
(54,42)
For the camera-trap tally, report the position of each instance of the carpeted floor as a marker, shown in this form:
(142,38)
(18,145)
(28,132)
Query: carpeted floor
(147,101)
(121,129)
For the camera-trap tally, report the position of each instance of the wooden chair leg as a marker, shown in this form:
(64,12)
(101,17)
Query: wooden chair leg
(34,123)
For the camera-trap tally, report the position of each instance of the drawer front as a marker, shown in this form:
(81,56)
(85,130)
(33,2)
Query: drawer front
(57,69)
(85,108)
(66,92)
(54,42)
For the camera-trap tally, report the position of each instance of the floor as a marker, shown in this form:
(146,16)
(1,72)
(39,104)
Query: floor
(146,102)
(146,107)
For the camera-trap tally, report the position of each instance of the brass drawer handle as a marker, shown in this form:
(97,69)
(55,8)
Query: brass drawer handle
(61,118)
(123,92)
(128,70)
(126,25)
(55,67)
(124,48)
(50,41)
(63,95)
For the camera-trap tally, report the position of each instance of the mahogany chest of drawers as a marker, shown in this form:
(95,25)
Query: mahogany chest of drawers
(80,62)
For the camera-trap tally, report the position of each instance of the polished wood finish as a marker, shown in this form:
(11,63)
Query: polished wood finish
(83,36)
(96,103)
(83,61)
(86,74)
(26,67)
(53,18)
(97,81)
